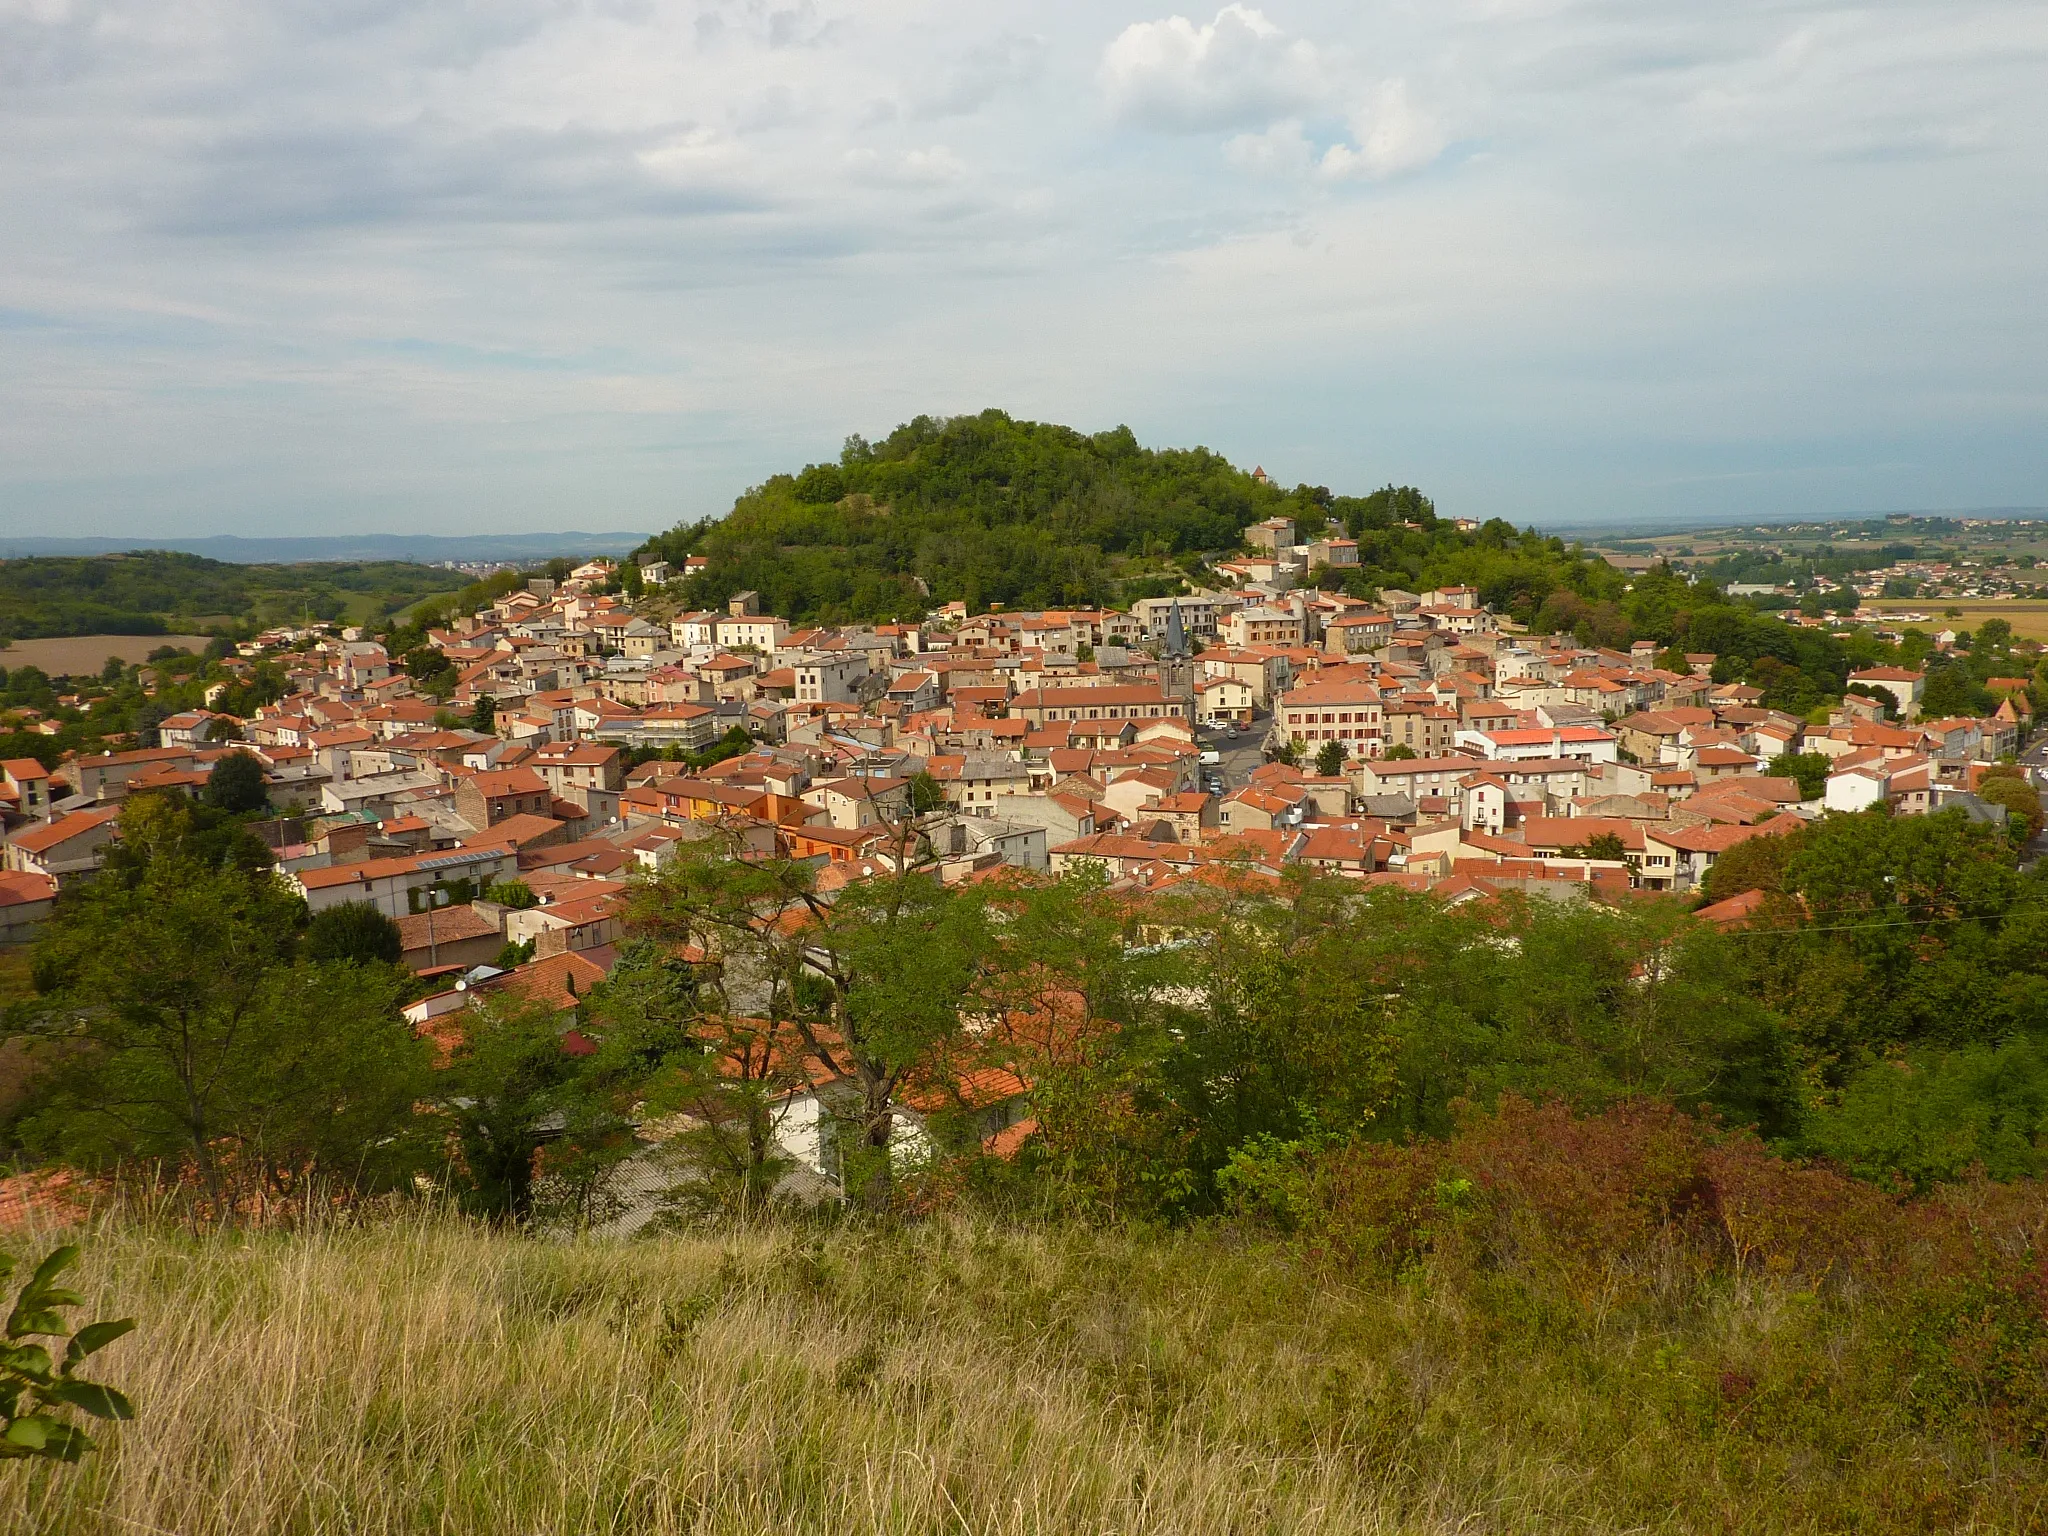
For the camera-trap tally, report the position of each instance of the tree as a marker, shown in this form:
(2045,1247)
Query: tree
(1933,1116)
(483,715)
(425,661)
(236,784)
(926,794)
(1755,864)
(1809,768)
(516,894)
(2009,787)
(1606,845)
(181,1029)
(871,981)
(505,1080)
(165,825)
(511,955)
(1330,759)
(1949,691)
(355,932)
(677,1044)
(1400,751)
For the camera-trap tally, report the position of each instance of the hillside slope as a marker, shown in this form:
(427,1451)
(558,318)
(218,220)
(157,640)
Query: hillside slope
(434,1377)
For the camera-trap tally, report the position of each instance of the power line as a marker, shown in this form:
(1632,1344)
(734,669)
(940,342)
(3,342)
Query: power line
(1927,922)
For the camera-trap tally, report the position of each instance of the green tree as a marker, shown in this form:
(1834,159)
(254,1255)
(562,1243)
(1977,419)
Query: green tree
(1400,751)
(1755,864)
(506,1079)
(483,715)
(926,794)
(356,932)
(1935,1115)
(179,1028)
(1330,759)
(889,961)
(1606,845)
(2009,787)
(236,784)
(1949,692)
(1809,768)
(678,1045)
(515,893)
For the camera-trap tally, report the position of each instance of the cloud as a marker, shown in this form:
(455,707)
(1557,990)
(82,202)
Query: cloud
(736,230)
(1237,70)
(1389,135)
(1393,135)
(980,74)
(1282,150)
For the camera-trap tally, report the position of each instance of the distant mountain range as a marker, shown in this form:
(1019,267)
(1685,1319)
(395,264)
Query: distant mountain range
(427,549)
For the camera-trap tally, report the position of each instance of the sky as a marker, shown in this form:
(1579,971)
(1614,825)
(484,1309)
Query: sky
(303,266)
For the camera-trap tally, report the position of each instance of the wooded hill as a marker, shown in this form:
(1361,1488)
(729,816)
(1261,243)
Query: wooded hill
(987,509)
(155,591)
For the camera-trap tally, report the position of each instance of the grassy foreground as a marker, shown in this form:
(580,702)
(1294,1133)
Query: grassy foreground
(425,1375)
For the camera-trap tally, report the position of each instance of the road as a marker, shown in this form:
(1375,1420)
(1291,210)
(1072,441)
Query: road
(1240,754)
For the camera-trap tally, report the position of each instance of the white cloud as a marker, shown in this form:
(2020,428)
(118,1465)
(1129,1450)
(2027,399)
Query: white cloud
(1282,150)
(1393,135)
(1237,70)
(1240,70)
(933,166)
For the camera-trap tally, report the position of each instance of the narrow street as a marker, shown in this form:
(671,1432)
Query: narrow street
(1240,753)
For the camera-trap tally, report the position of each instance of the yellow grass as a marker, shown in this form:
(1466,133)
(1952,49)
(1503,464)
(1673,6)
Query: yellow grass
(426,1376)
(84,655)
(2028,619)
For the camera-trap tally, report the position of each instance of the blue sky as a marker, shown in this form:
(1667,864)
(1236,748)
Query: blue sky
(283,268)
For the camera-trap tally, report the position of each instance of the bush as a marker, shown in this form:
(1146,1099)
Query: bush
(35,1390)
(355,931)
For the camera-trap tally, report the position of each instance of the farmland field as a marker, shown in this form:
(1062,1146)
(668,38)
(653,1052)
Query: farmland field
(2027,619)
(79,655)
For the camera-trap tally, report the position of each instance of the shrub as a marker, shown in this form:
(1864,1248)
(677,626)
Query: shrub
(37,1391)
(356,931)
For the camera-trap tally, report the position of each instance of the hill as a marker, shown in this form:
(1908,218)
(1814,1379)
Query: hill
(420,548)
(987,509)
(156,591)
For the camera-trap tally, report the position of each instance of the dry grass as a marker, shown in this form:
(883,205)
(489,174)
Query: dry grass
(2029,620)
(426,1376)
(84,655)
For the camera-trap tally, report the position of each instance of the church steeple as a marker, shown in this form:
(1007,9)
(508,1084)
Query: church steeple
(1176,632)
